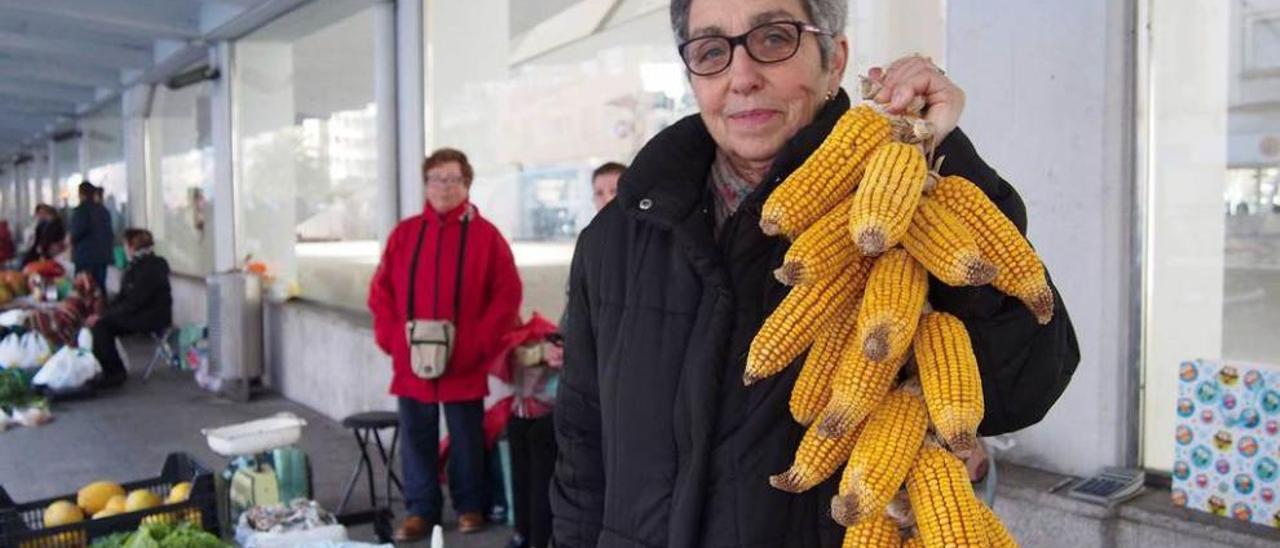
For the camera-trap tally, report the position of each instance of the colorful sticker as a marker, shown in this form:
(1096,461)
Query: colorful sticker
(1227,441)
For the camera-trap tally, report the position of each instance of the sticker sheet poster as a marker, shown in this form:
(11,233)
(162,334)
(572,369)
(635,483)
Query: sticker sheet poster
(1227,452)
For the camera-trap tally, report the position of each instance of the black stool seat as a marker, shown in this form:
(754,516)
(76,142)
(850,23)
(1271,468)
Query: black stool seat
(372,419)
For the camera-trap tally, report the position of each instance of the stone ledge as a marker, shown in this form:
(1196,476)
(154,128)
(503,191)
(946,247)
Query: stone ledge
(1039,518)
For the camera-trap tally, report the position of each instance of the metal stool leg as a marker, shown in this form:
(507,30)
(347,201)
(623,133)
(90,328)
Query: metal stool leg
(391,458)
(364,461)
(387,463)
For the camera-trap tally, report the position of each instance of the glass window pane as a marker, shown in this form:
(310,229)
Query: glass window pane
(306,139)
(180,177)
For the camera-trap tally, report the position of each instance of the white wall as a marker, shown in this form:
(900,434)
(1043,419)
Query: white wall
(1047,95)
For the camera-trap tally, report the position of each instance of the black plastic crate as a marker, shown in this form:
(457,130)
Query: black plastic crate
(22,525)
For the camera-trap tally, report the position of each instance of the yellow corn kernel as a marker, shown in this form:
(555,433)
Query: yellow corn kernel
(891,306)
(827,176)
(1019,271)
(873,532)
(793,326)
(887,446)
(887,198)
(950,379)
(913,542)
(942,500)
(813,386)
(997,534)
(822,250)
(945,246)
(859,387)
(816,459)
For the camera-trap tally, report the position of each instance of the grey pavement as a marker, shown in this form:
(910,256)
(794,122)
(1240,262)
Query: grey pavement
(124,435)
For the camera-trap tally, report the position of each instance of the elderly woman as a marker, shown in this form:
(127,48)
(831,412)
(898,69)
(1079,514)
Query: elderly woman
(447,264)
(660,443)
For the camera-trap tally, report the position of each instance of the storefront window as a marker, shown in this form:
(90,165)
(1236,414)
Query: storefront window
(306,138)
(103,136)
(1212,167)
(180,177)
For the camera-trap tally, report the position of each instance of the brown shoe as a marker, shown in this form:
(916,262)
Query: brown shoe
(412,529)
(471,522)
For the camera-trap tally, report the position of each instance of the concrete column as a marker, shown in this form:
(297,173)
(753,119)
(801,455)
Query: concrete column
(410,119)
(225,228)
(49,190)
(136,104)
(384,90)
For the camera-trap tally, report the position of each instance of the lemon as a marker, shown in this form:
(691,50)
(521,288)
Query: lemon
(62,513)
(93,497)
(141,499)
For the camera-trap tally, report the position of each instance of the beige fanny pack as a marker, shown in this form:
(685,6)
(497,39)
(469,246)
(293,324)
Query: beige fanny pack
(431,342)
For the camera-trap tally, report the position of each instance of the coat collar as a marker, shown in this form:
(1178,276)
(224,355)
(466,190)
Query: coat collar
(464,211)
(667,181)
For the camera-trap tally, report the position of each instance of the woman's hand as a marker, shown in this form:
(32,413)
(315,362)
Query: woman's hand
(916,76)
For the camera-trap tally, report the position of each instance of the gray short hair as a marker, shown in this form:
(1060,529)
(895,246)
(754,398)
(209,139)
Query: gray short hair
(827,15)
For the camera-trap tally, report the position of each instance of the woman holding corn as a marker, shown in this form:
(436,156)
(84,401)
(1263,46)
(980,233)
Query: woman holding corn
(660,443)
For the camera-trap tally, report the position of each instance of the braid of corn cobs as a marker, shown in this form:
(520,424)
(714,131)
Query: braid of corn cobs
(822,250)
(886,201)
(874,532)
(1019,271)
(946,247)
(880,460)
(950,379)
(827,176)
(792,327)
(816,459)
(813,387)
(859,299)
(895,296)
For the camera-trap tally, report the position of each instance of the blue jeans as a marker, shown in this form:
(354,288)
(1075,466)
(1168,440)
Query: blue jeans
(419,457)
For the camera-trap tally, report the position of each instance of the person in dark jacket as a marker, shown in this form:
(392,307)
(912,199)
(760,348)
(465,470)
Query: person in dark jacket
(660,443)
(50,235)
(144,304)
(91,237)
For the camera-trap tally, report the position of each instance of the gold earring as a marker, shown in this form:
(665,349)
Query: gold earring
(830,96)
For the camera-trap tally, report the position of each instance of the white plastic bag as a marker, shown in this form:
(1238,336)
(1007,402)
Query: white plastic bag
(35,350)
(84,339)
(13,318)
(69,369)
(11,351)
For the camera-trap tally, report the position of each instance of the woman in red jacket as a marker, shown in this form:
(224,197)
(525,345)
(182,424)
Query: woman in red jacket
(465,274)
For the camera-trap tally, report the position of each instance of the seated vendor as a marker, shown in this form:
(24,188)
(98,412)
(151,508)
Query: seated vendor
(144,305)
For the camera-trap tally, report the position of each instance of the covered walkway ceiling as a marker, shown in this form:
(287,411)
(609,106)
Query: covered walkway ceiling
(60,58)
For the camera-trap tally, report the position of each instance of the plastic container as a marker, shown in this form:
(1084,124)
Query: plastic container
(257,436)
(23,524)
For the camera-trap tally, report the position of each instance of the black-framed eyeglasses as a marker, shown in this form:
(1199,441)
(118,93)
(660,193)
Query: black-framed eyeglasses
(768,43)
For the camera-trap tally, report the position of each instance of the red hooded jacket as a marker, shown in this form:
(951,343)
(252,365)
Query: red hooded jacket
(489,305)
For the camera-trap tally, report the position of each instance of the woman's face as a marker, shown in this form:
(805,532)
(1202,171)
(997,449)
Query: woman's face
(752,108)
(446,187)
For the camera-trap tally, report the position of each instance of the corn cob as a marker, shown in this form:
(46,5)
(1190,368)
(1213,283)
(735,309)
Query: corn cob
(997,534)
(859,386)
(942,499)
(890,310)
(813,387)
(827,176)
(950,379)
(816,459)
(792,327)
(946,247)
(873,532)
(890,439)
(1019,271)
(890,190)
(822,250)
(913,542)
